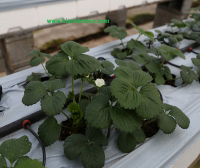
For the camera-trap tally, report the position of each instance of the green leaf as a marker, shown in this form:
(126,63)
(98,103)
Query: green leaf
(73,49)
(108,67)
(167,72)
(83,104)
(76,112)
(172,40)
(196,61)
(82,64)
(93,156)
(38,57)
(168,52)
(96,135)
(125,120)
(137,78)
(128,64)
(115,31)
(133,44)
(73,146)
(97,112)
(115,51)
(182,120)
(140,59)
(159,79)
(151,105)
(166,123)
(29,163)
(88,95)
(56,65)
(121,55)
(188,75)
(34,77)
(155,51)
(54,85)
(52,105)
(3,163)
(21,159)
(153,66)
(178,23)
(139,136)
(150,35)
(12,149)
(34,91)
(49,131)
(126,142)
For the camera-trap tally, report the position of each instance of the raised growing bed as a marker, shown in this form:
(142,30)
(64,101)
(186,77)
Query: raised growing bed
(111,152)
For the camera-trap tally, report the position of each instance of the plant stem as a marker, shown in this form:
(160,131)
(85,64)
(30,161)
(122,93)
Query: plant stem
(162,62)
(123,44)
(81,91)
(98,91)
(66,115)
(173,79)
(46,71)
(149,122)
(64,126)
(138,37)
(73,88)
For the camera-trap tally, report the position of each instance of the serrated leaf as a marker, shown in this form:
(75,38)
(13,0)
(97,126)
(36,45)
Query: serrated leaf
(97,112)
(108,67)
(96,135)
(159,79)
(126,142)
(121,55)
(93,156)
(196,61)
(29,163)
(155,51)
(153,66)
(167,72)
(133,44)
(128,64)
(125,120)
(83,104)
(52,105)
(34,91)
(20,160)
(76,112)
(137,78)
(178,23)
(115,51)
(151,105)
(169,52)
(139,136)
(73,49)
(49,131)
(38,57)
(82,64)
(56,65)
(166,123)
(140,59)
(115,31)
(73,146)
(54,85)
(12,149)
(188,75)
(3,163)
(34,77)
(182,120)
(172,40)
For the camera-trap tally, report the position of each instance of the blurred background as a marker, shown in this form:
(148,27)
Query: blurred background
(24,27)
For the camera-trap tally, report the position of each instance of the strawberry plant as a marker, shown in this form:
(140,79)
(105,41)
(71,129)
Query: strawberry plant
(125,104)
(14,150)
(132,46)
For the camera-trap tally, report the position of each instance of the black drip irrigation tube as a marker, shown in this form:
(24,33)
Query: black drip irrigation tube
(26,125)
(0,92)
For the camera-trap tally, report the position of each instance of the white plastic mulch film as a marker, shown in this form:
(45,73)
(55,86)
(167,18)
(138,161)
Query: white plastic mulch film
(161,150)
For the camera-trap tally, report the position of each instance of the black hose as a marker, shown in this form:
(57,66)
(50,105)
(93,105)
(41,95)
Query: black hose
(108,134)
(195,52)
(41,144)
(177,66)
(161,97)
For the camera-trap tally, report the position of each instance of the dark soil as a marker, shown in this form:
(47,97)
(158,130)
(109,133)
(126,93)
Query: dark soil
(103,76)
(150,129)
(169,82)
(65,132)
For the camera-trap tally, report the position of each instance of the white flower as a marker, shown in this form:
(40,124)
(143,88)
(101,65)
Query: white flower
(99,82)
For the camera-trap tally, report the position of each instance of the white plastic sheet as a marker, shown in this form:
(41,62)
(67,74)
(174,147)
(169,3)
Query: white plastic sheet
(160,151)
